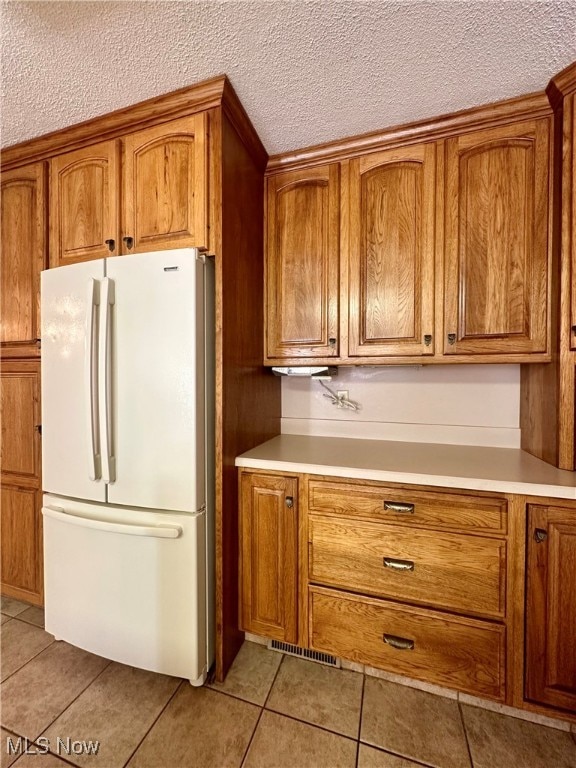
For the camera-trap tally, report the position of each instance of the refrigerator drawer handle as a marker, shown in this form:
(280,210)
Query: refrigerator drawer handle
(91,380)
(150,531)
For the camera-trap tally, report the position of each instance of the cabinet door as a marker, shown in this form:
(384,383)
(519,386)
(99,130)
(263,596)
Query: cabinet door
(21,544)
(84,204)
(496,247)
(569,214)
(551,607)
(20,411)
(268,556)
(165,186)
(23,246)
(302,263)
(391,252)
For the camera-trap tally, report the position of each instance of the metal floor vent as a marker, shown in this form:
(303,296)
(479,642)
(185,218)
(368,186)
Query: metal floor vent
(304,653)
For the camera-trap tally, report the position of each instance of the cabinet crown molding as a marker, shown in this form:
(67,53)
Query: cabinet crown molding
(208,94)
(530,106)
(563,84)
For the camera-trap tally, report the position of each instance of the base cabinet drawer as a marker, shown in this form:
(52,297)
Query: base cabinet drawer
(446,650)
(439,569)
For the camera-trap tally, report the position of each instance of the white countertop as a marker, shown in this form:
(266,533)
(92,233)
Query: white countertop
(506,470)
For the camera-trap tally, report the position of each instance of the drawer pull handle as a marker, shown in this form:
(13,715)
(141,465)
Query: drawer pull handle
(401,643)
(398,506)
(398,565)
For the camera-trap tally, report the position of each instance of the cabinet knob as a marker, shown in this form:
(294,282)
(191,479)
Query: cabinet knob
(332,341)
(128,242)
(289,502)
(111,244)
(540,535)
(38,428)
(574,329)
(451,338)
(427,339)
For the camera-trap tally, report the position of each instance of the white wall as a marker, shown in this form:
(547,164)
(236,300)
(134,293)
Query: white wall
(457,404)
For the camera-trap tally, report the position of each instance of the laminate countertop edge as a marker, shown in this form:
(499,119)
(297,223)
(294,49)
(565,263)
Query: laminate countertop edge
(504,470)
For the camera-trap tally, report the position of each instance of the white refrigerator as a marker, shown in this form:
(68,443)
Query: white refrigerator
(128,459)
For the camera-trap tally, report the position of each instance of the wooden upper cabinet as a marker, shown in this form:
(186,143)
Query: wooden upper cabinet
(84,204)
(551,607)
(302,263)
(496,240)
(165,186)
(569,217)
(20,411)
(391,252)
(269,555)
(24,249)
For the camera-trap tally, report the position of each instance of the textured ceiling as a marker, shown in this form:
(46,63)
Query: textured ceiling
(306,71)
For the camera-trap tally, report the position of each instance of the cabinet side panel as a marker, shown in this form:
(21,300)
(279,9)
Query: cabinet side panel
(247,396)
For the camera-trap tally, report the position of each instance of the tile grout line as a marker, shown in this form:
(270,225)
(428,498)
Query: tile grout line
(360,719)
(137,747)
(262,709)
(465,733)
(72,702)
(32,657)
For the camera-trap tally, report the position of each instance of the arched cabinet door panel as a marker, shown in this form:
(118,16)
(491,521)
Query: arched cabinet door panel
(165,186)
(496,241)
(84,204)
(23,248)
(302,263)
(391,252)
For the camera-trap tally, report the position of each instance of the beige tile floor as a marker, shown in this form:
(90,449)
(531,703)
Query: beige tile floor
(272,711)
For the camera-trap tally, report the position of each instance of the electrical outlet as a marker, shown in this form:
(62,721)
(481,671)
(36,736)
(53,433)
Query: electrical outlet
(342,393)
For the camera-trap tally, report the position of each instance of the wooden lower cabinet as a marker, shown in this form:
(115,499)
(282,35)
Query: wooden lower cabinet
(551,607)
(268,555)
(428,645)
(21,497)
(21,544)
(473,591)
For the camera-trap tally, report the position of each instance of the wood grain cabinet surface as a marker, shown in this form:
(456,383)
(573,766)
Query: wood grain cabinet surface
(392,196)
(21,546)
(409,580)
(24,255)
(268,555)
(161,181)
(551,607)
(496,240)
(444,252)
(85,204)
(302,265)
(165,198)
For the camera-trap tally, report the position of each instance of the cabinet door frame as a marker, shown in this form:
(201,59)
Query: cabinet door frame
(34,176)
(278,348)
(27,370)
(542,609)
(195,126)
(423,290)
(285,626)
(106,156)
(536,133)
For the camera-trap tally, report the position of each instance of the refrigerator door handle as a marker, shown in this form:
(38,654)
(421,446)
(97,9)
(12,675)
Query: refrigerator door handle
(105,380)
(91,382)
(149,531)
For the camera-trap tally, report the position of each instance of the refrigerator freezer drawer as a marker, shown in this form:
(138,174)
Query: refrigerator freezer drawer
(128,585)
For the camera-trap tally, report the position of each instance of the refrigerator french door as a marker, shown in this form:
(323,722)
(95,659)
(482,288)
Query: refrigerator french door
(127,462)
